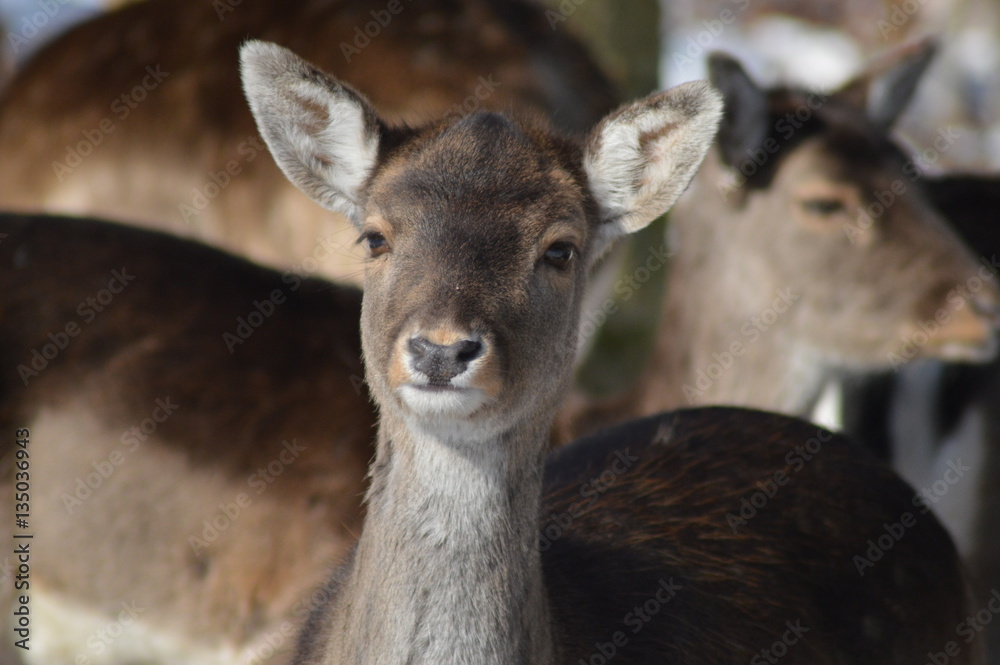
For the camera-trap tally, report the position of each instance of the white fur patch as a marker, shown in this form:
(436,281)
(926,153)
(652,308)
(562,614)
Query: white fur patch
(319,132)
(640,159)
(436,403)
(63,632)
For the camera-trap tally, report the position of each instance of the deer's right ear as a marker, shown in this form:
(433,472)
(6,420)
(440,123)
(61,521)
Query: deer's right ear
(744,124)
(640,159)
(323,135)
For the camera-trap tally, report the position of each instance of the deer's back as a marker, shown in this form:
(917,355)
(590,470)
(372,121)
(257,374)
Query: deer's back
(716,533)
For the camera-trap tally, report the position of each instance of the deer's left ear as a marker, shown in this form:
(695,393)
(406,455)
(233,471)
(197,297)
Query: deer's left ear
(323,134)
(885,88)
(640,159)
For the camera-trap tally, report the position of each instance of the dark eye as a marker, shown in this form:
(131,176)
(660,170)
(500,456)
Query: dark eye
(559,254)
(823,207)
(376,243)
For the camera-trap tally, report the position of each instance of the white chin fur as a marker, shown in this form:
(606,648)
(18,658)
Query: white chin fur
(442,403)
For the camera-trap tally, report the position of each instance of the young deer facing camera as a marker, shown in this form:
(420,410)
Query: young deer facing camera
(480,231)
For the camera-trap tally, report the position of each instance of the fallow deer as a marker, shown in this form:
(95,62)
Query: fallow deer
(937,422)
(480,231)
(806,250)
(147,127)
(199,434)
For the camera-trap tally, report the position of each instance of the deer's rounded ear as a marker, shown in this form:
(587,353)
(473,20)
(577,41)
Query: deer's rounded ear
(323,135)
(640,159)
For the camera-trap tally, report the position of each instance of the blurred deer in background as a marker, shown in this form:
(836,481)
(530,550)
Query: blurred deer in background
(806,251)
(136,115)
(199,434)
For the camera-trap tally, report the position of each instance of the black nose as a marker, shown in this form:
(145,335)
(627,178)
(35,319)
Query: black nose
(443,363)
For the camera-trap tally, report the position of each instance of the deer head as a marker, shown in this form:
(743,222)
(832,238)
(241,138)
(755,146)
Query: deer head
(480,230)
(814,195)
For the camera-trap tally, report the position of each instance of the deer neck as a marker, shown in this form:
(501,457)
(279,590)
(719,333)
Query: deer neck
(447,569)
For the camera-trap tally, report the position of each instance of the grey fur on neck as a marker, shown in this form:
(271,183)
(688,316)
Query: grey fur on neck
(434,503)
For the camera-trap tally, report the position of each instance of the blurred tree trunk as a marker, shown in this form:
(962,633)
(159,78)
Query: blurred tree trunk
(624,37)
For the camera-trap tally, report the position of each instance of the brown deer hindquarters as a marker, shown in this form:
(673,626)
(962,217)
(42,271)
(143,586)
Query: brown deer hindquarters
(199,430)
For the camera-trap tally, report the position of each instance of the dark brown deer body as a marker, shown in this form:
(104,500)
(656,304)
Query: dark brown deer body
(480,233)
(147,128)
(206,479)
(937,422)
(805,251)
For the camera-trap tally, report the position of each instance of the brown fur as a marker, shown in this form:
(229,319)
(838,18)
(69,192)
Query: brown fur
(425,61)
(298,378)
(861,291)
(960,394)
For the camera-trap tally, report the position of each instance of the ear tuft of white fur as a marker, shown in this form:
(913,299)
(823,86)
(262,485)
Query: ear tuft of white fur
(323,135)
(640,159)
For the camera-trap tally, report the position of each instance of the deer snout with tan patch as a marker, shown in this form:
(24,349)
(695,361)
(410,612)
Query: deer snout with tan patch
(444,369)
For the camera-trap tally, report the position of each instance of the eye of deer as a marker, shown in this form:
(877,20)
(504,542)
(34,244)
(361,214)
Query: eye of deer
(824,207)
(822,202)
(559,254)
(376,243)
